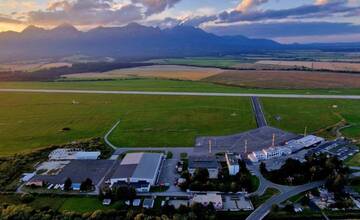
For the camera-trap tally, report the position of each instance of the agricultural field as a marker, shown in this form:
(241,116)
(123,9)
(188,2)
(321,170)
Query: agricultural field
(32,121)
(219,62)
(333,66)
(296,114)
(167,86)
(286,79)
(32,66)
(156,71)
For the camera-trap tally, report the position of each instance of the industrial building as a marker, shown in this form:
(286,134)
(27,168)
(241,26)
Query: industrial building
(138,169)
(232,161)
(204,162)
(78,171)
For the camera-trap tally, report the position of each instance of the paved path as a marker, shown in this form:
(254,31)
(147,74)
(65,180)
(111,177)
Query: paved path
(258,112)
(356,97)
(106,137)
(265,208)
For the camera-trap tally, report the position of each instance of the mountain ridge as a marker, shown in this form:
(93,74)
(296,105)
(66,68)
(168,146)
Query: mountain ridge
(131,41)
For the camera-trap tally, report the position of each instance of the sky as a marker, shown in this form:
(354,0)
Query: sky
(286,21)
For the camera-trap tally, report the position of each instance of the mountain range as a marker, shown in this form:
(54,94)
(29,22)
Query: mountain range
(132,41)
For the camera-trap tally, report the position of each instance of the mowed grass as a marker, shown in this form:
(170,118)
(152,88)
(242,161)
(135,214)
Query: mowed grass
(315,114)
(82,204)
(32,121)
(165,85)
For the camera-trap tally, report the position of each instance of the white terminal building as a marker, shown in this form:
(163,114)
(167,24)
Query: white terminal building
(289,148)
(232,161)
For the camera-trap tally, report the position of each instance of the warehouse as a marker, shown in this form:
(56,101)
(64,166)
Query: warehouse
(78,171)
(138,167)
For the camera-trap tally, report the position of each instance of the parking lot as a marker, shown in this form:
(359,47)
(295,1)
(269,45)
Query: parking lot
(169,175)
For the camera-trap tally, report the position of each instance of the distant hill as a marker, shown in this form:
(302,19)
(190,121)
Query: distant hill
(131,41)
(134,41)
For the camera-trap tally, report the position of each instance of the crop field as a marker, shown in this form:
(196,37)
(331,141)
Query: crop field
(31,67)
(204,61)
(286,79)
(167,86)
(333,66)
(296,114)
(32,121)
(156,71)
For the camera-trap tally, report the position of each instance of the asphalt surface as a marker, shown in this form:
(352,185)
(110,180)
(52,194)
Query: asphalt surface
(356,97)
(258,112)
(265,208)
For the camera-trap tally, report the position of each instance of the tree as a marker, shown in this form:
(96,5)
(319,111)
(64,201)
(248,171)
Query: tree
(263,169)
(201,175)
(67,184)
(86,185)
(234,187)
(125,193)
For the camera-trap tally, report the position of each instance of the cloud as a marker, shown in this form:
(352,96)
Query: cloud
(98,12)
(301,12)
(6,20)
(286,29)
(245,5)
(321,2)
(155,6)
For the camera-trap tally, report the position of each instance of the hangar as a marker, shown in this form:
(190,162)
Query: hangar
(138,168)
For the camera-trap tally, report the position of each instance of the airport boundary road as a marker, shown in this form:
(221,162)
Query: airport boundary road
(355,97)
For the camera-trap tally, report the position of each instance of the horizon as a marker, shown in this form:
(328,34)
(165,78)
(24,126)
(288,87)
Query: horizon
(305,21)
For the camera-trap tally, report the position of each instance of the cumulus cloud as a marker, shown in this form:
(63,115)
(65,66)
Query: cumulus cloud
(85,12)
(98,12)
(245,5)
(155,6)
(4,19)
(305,11)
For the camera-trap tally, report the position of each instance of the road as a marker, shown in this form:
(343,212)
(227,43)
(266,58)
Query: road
(355,97)
(258,112)
(265,208)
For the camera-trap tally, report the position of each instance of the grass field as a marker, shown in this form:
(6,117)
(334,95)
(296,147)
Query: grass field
(82,204)
(165,85)
(296,114)
(32,121)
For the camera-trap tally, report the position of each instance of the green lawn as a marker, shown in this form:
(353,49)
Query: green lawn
(164,85)
(353,161)
(32,121)
(82,204)
(296,114)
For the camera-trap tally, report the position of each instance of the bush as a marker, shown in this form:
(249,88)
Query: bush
(26,198)
(169,155)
